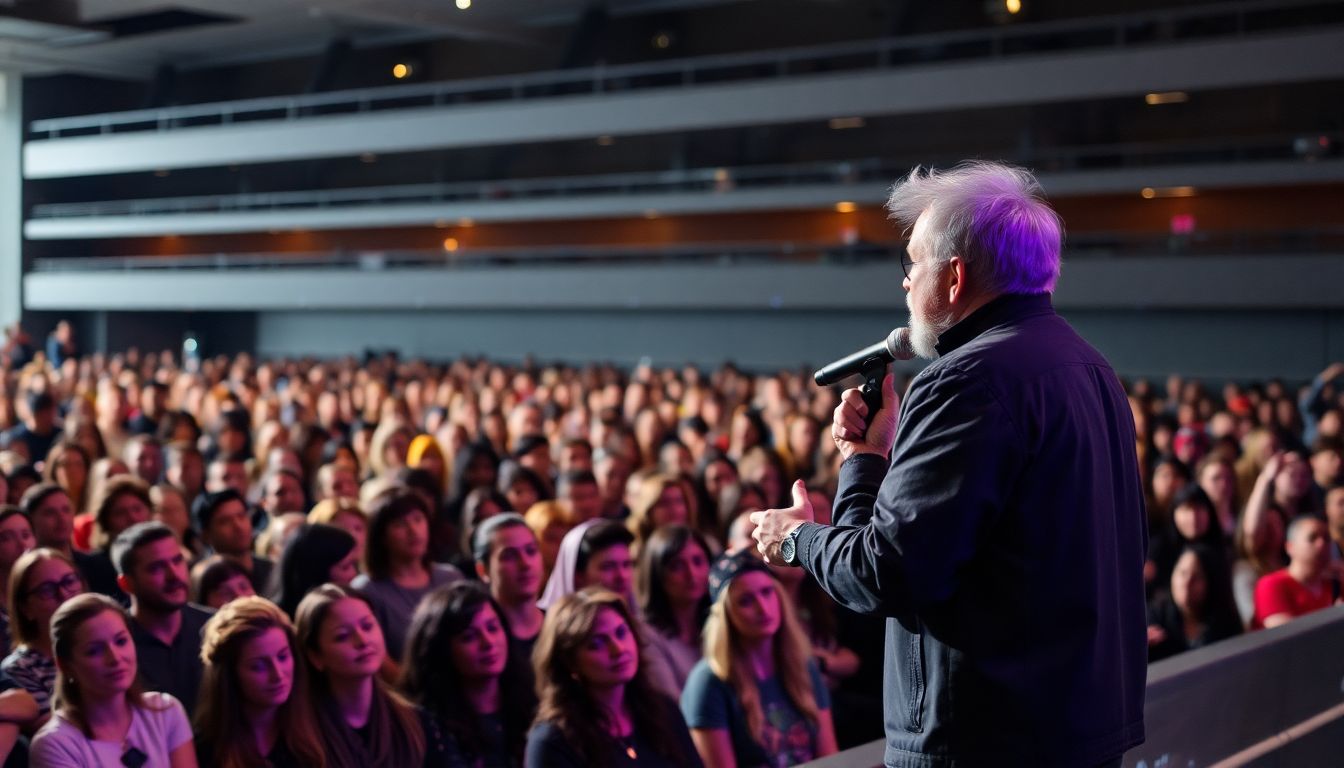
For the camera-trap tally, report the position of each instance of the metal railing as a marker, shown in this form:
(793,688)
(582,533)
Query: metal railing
(1101,32)
(1090,245)
(856,171)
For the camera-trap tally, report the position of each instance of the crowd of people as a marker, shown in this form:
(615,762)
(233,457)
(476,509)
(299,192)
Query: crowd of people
(381,562)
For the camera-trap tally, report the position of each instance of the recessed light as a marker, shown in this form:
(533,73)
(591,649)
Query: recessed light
(1166,97)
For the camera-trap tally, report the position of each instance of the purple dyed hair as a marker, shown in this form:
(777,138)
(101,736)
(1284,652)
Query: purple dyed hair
(994,216)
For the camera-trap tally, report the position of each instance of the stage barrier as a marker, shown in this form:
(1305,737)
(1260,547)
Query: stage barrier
(1266,699)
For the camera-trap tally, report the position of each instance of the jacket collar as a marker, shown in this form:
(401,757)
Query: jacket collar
(1007,308)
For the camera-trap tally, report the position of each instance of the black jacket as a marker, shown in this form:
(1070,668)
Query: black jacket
(1006,542)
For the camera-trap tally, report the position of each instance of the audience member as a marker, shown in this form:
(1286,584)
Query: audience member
(16,537)
(672,584)
(41,581)
(362,723)
(757,698)
(104,717)
(508,561)
(1197,609)
(597,704)
(316,555)
(217,581)
(225,525)
(462,669)
(398,570)
(255,707)
(1306,585)
(48,508)
(165,627)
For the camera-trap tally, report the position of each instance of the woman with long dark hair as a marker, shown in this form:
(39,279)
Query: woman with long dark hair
(315,555)
(597,706)
(1198,609)
(254,707)
(362,722)
(458,669)
(672,586)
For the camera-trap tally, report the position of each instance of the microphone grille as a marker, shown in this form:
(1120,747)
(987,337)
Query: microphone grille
(898,344)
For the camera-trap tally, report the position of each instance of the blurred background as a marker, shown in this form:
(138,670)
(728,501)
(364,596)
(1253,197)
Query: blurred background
(692,180)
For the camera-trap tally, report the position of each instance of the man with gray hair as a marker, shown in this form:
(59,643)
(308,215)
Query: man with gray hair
(1000,525)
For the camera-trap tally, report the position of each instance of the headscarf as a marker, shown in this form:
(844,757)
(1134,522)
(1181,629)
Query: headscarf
(561,582)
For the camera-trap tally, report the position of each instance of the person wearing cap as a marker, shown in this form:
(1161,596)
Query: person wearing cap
(1000,527)
(757,697)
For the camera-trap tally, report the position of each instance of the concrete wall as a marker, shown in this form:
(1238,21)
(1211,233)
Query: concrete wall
(1219,345)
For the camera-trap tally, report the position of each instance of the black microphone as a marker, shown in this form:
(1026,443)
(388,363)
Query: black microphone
(871,362)
(895,347)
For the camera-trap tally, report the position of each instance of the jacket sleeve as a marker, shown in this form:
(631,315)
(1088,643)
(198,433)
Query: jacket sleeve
(901,539)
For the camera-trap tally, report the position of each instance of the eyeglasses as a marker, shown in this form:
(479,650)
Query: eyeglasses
(50,590)
(907,263)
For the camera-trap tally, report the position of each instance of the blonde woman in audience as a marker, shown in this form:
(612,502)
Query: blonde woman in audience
(549,520)
(254,706)
(102,716)
(758,697)
(662,500)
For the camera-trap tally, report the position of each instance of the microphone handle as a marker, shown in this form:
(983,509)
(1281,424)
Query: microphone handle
(873,374)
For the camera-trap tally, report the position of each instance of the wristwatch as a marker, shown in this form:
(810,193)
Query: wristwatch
(788,548)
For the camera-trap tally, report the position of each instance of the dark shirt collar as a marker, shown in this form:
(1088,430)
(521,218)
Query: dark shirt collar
(1007,308)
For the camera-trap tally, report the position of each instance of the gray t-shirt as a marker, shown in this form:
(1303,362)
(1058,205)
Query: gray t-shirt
(157,729)
(393,605)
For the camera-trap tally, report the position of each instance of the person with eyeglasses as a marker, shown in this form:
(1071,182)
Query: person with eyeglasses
(1009,483)
(41,581)
(103,717)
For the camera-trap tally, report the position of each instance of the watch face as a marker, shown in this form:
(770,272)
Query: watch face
(788,550)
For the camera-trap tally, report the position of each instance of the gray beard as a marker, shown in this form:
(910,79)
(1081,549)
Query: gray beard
(924,332)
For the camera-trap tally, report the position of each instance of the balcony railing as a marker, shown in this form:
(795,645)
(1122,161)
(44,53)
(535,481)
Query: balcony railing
(1089,245)
(857,171)
(1224,20)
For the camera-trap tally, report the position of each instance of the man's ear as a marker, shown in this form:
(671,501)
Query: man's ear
(956,276)
(124,582)
(482,573)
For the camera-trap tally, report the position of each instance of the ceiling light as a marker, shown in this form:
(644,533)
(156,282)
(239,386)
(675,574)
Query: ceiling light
(463,5)
(450,244)
(401,70)
(465,222)
(1149,193)
(1013,6)
(843,123)
(662,41)
(1166,97)
(845,206)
